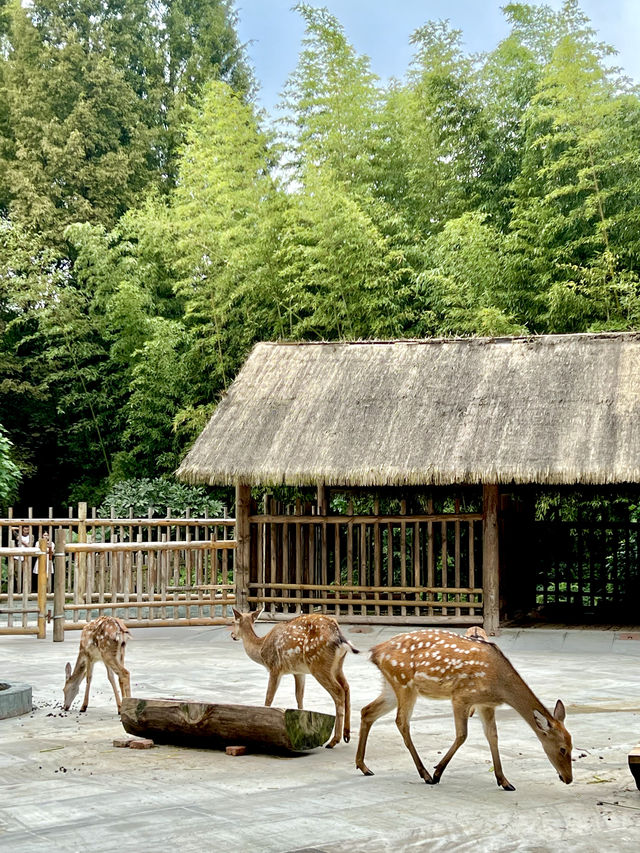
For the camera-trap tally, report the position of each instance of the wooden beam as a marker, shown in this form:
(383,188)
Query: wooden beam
(490,559)
(203,724)
(59,581)
(243,545)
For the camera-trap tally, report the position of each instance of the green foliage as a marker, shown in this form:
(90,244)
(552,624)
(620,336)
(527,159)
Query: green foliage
(159,494)
(152,230)
(10,474)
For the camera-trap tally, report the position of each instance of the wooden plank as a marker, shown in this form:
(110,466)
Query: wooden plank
(128,547)
(370,519)
(135,605)
(491,559)
(634,765)
(472,555)
(430,553)
(243,544)
(403,545)
(389,619)
(160,623)
(350,535)
(377,549)
(456,560)
(299,554)
(416,558)
(373,589)
(204,724)
(362,601)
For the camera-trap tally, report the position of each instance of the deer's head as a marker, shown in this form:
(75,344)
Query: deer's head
(71,687)
(243,623)
(556,741)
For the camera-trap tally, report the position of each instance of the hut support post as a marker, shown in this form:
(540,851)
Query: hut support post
(323,503)
(490,559)
(243,546)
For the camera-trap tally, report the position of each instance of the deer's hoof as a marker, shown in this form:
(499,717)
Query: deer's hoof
(507,786)
(346,737)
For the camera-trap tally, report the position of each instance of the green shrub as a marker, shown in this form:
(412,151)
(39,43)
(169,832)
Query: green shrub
(159,494)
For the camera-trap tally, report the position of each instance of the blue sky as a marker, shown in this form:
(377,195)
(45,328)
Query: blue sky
(381,30)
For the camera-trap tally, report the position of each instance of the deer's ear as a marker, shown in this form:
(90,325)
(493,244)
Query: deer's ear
(559,712)
(67,670)
(236,613)
(256,614)
(541,722)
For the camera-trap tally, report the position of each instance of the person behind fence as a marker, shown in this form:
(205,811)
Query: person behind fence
(22,539)
(50,552)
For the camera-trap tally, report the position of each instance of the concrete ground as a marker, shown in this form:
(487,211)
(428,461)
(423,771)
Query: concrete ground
(64,787)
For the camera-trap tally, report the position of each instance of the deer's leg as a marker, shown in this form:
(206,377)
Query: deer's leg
(125,682)
(124,677)
(461,718)
(385,702)
(272,686)
(112,682)
(299,679)
(335,690)
(346,734)
(85,701)
(488,716)
(406,702)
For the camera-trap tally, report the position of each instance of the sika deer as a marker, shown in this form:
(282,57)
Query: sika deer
(473,673)
(103,639)
(307,644)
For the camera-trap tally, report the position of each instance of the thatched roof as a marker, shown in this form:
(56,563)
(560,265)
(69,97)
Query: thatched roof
(550,409)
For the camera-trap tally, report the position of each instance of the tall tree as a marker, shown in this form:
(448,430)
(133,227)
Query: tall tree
(220,212)
(576,210)
(330,102)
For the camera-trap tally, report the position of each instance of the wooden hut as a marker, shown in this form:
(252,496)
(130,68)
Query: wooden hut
(489,412)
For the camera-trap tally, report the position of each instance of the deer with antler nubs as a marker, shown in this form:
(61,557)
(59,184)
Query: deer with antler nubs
(311,644)
(475,675)
(105,639)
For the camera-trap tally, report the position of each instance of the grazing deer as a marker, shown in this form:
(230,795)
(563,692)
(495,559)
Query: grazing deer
(474,674)
(307,644)
(103,639)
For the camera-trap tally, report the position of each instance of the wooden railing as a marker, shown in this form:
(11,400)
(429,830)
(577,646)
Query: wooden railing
(20,611)
(392,568)
(398,568)
(183,582)
(149,571)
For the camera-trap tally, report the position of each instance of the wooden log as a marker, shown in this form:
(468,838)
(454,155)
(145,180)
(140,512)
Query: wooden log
(634,765)
(202,724)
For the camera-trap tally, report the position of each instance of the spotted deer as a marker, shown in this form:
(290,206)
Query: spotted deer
(474,674)
(103,639)
(307,644)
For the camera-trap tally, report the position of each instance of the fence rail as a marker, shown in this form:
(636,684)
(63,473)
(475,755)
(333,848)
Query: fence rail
(366,568)
(395,568)
(149,571)
(587,569)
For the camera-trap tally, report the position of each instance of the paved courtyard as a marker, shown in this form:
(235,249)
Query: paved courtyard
(64,787)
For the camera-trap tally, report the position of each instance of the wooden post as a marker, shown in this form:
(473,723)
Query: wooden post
(82,558)
(243,545)
(43,559)
(323,502)
(490,559)
(59,587)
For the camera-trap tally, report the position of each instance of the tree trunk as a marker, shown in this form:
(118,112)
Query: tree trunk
(202,724)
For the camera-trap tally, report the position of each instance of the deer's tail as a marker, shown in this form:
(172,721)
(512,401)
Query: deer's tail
(345,642)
